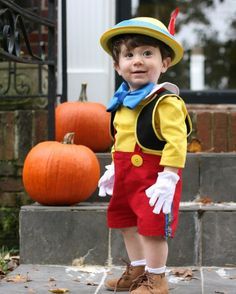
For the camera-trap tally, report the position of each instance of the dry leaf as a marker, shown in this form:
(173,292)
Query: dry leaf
(59,290)
(16,258)
(12,264)
(2,272)
(7,256)
(78,261)
(187,274)
(18,279)
(91,284)
(204,200)
(194,146)
(51,280)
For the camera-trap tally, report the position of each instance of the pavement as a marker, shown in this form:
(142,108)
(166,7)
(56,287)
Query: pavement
(42,279)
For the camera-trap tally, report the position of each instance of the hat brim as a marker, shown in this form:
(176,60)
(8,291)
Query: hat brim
(159,34)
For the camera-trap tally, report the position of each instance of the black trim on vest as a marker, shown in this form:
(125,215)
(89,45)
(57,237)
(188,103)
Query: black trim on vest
(188,126)
(145,132)
(144,129)
(112,129)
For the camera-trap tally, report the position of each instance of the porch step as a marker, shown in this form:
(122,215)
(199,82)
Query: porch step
(211,175)
(205,237)
(61,235)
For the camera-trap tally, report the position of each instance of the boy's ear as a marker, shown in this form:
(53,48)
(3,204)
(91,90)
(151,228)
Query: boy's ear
(117,68)
(166,64)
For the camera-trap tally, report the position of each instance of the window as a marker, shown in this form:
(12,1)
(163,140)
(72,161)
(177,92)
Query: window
(207,30)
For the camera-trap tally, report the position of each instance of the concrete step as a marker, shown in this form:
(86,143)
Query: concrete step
(211,175)
(60,235)
(90,280)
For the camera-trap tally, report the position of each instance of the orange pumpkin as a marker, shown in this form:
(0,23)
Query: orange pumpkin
(60,174)
(88,120)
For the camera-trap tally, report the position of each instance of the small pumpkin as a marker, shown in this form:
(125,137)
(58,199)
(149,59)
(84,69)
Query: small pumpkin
(88,120)
(57,173)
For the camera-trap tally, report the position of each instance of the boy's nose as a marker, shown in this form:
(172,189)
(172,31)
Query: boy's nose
(138,60)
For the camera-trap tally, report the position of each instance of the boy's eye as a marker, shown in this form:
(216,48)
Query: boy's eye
(129,54)
(147,53)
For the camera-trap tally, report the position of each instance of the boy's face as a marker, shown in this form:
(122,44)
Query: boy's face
(141,65)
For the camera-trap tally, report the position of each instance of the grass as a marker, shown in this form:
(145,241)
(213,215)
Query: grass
(7,263)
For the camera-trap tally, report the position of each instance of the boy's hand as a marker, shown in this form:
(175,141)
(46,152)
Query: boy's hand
(161,194)
(106,182)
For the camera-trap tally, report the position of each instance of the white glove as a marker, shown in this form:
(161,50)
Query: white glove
(106,182)
(161,194)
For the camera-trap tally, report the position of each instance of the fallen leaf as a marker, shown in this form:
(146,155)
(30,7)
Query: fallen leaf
(59,290)
(91,284)
(219,292)
(12,264)
(18,279)
(204,200)
(172,288)
(230,264)
(2,273)
(7,256)
(78,261)
(16,258)
(51,280)
(186,274)
(194,146)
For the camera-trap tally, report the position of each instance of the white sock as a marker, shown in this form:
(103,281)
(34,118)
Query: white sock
(138,262)
(160,270)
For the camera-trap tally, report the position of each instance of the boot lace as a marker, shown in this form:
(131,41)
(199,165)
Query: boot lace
(125,275)
(145,280)
(139,281)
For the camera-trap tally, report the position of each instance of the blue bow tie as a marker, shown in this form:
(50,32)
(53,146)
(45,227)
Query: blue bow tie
(127,98)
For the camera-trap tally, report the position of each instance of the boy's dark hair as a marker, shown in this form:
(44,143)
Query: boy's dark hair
(132,41)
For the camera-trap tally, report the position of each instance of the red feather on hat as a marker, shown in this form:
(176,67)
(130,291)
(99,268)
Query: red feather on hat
(171,26)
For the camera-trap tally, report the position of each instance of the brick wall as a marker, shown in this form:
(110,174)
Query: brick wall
(214,126)
(19,131)
(33,35)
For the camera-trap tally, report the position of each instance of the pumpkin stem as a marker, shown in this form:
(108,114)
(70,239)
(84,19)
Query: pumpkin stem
(68,138)
(83,93)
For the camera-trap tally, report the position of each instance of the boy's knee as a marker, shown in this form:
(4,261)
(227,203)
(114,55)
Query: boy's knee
(129,230)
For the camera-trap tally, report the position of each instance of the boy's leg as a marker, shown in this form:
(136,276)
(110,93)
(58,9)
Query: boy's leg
(133,243)
(156,252)
(134,250)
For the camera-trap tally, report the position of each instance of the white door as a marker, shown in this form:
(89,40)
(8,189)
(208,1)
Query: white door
(86,60)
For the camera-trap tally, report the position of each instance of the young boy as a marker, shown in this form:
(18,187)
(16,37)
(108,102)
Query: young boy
(150,125)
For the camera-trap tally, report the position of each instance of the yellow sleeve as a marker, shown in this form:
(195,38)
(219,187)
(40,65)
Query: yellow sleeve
(170,125)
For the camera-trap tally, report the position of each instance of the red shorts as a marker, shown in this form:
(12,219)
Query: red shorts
(129,205)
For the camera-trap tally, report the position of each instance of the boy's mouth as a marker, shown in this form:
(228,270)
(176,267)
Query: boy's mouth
(139,72)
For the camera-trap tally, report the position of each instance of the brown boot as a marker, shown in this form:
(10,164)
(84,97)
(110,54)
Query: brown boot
(150,284)
(125,281)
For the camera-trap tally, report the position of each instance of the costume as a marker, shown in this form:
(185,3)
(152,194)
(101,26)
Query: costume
(138,157)
(150,141)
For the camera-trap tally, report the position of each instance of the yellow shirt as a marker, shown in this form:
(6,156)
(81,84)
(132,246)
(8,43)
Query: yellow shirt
(169,118)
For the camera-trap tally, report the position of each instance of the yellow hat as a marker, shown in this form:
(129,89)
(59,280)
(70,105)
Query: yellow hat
(145,26)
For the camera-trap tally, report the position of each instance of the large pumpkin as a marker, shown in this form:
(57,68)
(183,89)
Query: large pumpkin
(60,173)
(88,120)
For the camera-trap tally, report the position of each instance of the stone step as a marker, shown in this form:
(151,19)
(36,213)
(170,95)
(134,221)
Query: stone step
(211,175)
(90,279)
(60,235)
